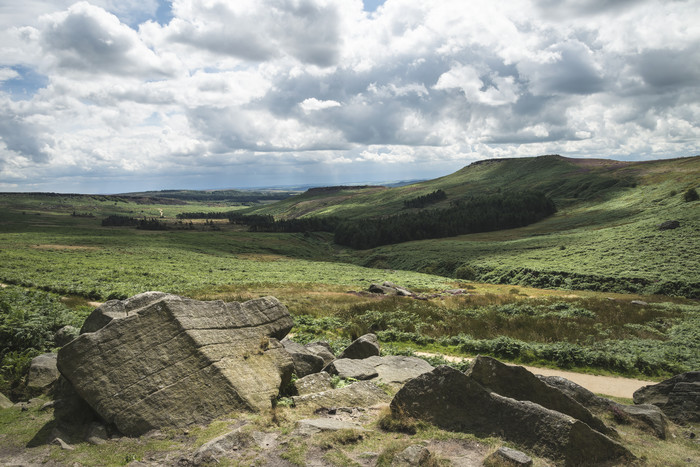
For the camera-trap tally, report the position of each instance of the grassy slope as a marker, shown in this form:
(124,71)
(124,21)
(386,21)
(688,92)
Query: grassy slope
(606,227)
(43,246)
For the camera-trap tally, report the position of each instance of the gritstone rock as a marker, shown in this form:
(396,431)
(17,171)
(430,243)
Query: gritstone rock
(518,383)
(347,368)
(312,384)
(360,394)
(677,397)
(362,347)
(507,457)
(42,372)
(65,335)
(322,349)
(413,456)
(166,361)
(454,401)
(305,362)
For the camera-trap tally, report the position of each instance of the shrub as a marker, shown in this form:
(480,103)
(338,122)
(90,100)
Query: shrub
(691,195)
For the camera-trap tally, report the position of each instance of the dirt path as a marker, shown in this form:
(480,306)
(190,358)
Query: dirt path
(607,385)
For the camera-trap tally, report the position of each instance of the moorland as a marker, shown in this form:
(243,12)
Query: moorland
(559,262)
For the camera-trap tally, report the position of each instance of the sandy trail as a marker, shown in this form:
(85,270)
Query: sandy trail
(607,385)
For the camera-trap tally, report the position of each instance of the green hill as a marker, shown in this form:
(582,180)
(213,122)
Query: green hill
(605,235)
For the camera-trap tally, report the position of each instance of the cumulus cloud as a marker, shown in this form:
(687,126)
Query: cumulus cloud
(235,93)
(88,39)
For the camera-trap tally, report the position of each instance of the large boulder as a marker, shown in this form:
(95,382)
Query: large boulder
(677,397)
(348,368)
(577,392)
(363,347)
(167,361)
(305,362)
(43,372)
(518,383)
(321,349)
(454,401)
(312,384)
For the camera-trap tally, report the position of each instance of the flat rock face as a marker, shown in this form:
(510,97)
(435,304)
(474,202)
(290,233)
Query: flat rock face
(677,397)
(454,401)
(165,361)
(360,394)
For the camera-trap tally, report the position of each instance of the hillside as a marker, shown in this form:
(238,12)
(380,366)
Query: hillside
(566,180)
(605,235)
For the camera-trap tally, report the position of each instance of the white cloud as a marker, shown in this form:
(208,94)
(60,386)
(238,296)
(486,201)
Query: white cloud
(311,104)
(323,89)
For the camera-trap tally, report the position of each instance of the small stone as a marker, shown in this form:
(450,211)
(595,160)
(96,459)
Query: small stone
(318,425)
(639,302)
(414,455)
(508,457)
(65,446)
(5,403)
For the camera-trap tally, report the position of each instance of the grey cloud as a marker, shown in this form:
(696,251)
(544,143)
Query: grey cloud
(573,73)
(303,29)
(670,68)
(583,7)
(25,138)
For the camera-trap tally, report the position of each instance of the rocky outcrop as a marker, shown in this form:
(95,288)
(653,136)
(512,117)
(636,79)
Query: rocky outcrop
(454,401)
(42,372)
(647,416)
(321,349)
(577,392)
(391,369)
(161,360)
(65,335)
(305,362)
(389,288)
(518,383)
(312,384)
(677,397)
(360,394)
(362,347)
(348,368)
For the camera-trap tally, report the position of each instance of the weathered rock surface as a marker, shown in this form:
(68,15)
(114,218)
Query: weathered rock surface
(350,368)
(362,347)
(43,372)
(507,457)
(577,392)
(389,288)
(454,401)
(305,362)
(5,403)
(312,384)
(397,369)
(312,426)
(647,414)
(360,394)
(221,446)
(114,309)
(518,383)
(677,397)
(65,335)
(161,360)
(322,349)
(413,456)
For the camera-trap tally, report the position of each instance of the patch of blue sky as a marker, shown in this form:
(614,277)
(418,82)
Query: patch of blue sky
(164,13)
(372,5)
(24,84)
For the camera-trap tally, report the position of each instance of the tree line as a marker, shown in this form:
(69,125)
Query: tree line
(425,200)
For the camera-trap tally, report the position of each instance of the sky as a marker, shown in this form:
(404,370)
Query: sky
(112,96)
